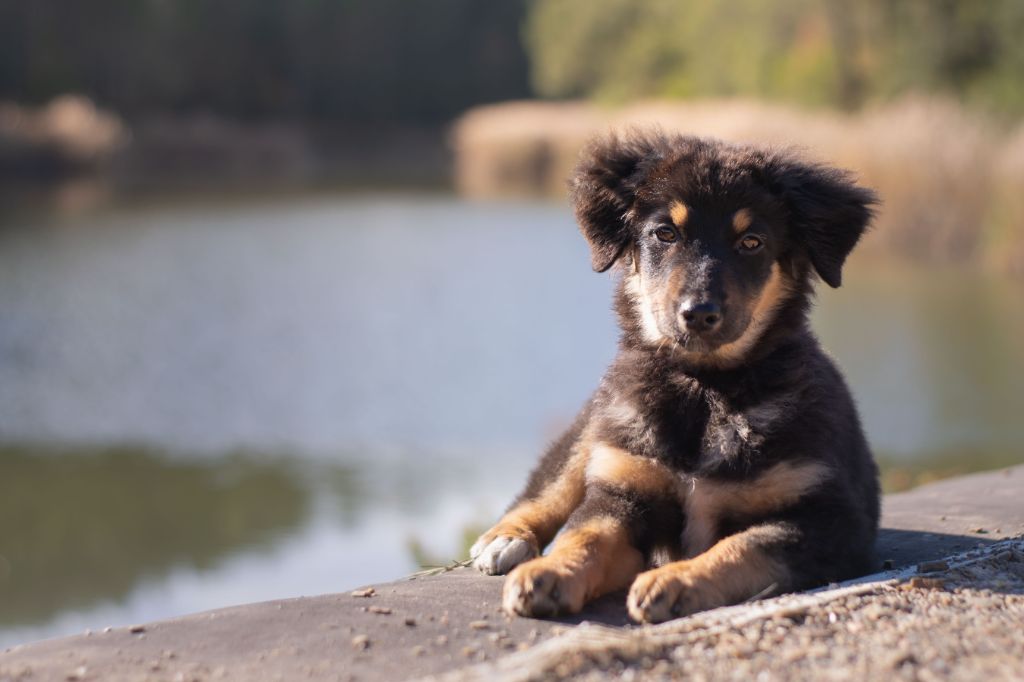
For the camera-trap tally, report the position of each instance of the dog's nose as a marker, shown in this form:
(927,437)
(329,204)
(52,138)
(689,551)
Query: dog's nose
(702,317)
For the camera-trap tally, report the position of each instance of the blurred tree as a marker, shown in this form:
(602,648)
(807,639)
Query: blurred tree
(615,49)
(388,61)
(402,61)
(968,48)
(829,52)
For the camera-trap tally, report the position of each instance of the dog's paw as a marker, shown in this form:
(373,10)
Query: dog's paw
(499,554)
(543,588)
(663,594)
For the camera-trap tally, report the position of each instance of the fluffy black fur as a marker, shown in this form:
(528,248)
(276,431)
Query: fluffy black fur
(729,404)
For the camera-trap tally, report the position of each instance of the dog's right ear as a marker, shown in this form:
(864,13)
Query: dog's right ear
(603,189)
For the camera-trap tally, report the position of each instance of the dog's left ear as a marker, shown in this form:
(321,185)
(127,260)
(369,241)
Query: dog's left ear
(829,212)
(603,189)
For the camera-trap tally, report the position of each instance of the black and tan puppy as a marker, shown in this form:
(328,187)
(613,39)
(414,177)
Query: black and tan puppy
(721,457)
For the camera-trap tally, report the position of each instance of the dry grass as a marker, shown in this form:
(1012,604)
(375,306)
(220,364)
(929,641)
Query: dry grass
(951,181)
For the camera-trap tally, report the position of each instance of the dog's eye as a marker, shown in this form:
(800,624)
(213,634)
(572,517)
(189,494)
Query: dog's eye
(750,243)
(665,234)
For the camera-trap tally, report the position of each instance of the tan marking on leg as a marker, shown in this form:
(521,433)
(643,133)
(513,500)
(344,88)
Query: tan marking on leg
(585,563)
(733,570)
(709,501)
(618,468)
(773,295)
(742,220)
(678,212)
(538,520)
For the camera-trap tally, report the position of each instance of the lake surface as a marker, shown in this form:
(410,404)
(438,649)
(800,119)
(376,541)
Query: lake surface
(211,403)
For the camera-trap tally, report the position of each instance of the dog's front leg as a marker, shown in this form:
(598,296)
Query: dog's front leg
(554,490)
(593,556)
(607,539)
(736,568)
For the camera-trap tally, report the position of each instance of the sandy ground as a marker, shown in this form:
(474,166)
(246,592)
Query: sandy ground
(958,619)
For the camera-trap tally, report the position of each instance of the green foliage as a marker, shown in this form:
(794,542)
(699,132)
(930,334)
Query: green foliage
(821,52)
(379,61)
(402,61)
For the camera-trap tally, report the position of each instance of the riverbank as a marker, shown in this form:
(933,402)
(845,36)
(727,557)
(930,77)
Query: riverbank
(70,142)
(949,178)
(932,616)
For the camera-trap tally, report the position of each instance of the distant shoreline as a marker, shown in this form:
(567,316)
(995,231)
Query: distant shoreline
(949,179)
(71,141)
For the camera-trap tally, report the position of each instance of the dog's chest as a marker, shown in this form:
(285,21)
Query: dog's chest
(708,434)
(694,426)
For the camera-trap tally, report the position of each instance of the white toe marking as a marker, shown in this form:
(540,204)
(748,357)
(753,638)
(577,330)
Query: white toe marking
(516,552)
(502,555)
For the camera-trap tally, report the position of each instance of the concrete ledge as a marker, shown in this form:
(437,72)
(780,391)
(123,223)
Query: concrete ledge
(449,623)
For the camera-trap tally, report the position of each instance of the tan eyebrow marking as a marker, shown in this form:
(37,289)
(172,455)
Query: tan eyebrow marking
(742,219)
(677,211)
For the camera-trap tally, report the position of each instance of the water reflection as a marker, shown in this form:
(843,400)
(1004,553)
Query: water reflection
(91,537)
(82,526)
(935,359)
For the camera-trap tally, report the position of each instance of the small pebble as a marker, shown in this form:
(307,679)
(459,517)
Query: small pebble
(411,622)
(368,592)
(932,566)
(418,650)
(479,624)
(360,642)
(136,629)
(792,612)
(383,610)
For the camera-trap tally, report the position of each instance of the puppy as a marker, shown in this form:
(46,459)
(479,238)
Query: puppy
(721,457)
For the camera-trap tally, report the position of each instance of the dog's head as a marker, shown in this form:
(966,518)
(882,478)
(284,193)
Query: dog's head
(714,239)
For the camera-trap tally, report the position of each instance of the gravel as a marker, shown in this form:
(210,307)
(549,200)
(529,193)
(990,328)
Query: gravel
(963,621)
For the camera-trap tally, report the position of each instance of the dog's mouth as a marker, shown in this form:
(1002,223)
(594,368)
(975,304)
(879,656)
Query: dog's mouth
(696,343)
(708,342)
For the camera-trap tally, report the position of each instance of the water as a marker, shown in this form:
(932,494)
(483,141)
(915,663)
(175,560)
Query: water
(209,404)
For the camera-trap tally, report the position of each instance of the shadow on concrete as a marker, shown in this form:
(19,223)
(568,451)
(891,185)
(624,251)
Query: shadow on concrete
(908,547)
